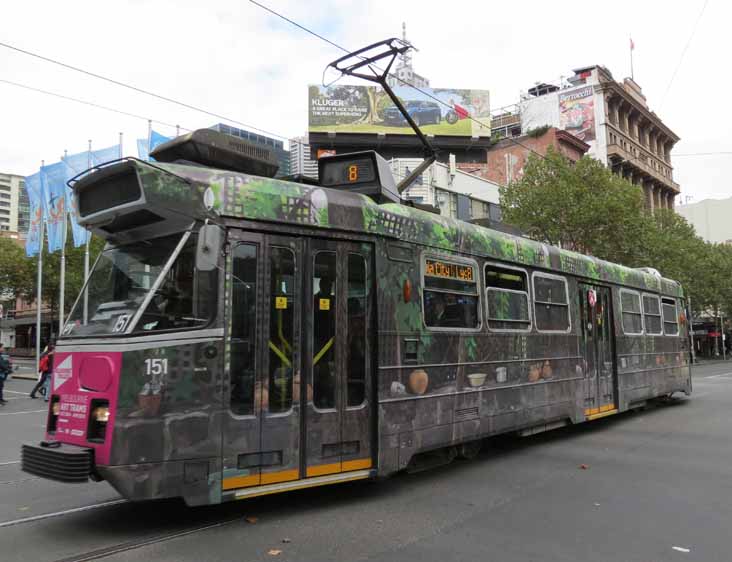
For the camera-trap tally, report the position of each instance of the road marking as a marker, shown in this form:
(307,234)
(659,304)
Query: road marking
(718,376)
(9,462)
(24,412)
(16,392)
(60,513)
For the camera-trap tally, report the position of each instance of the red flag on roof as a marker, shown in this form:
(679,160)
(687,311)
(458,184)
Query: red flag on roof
(632,45)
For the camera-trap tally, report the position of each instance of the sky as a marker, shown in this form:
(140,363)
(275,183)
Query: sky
(232,58)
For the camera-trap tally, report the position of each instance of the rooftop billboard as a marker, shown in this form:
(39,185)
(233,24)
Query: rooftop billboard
(368,109)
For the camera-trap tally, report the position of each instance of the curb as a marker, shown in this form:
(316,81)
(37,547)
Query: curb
(24,377)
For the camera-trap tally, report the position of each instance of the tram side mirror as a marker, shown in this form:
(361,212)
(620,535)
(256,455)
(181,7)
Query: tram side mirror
(209,246)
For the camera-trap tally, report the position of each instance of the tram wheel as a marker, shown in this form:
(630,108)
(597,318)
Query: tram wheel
(469,450)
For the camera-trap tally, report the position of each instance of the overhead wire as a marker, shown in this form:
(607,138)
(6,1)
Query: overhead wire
(89,103)
(683,52)
(137,89)
(405,82)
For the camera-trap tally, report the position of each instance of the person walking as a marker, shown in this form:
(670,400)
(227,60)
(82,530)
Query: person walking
(45,367)
(5,369)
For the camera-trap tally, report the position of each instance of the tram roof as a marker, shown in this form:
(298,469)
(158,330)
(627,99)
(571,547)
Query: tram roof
(245,196)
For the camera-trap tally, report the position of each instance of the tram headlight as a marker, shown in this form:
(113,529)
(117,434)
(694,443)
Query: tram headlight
(53,413)
(98,418)
(101,414)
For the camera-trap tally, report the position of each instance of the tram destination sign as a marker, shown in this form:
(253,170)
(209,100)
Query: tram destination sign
(447,270)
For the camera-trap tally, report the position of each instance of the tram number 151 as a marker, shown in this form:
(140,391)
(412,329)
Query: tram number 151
(156,366)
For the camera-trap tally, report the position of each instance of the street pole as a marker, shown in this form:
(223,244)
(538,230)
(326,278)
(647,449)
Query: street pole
(39,281)
(690,323)
(721,334)
(62,283)
(86,249)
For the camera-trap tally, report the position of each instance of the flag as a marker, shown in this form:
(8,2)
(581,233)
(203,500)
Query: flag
(53,188)
(33,242)
(146,146)
(78,163)
(632,45)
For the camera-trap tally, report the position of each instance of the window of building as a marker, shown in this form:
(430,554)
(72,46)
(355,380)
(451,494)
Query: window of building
(630,307)
(507,298)
(451,298)
(652,314)
(670,317)
(551,304)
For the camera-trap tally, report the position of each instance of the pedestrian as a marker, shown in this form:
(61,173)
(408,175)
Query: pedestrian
(45,368)
(5,369)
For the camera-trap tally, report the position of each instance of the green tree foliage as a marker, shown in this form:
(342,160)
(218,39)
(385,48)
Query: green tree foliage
(587,208)
(52,274)
(16,274)
(584,207)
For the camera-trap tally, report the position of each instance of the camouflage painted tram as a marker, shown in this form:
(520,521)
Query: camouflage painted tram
(242,336)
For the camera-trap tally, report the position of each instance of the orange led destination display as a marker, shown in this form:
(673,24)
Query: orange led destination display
(446,270)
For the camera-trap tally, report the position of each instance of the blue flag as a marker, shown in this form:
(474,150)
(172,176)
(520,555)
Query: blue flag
(103,155)
(144,148)
(33,242)
(53,187)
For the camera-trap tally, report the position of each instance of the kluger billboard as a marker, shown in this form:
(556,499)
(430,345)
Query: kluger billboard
(367,109)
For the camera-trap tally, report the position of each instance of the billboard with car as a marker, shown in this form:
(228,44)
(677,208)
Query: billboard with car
(367,109)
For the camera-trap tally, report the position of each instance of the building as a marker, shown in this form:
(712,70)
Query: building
(456,193)
(403,72)
(710,219)
(14,206)
(507,158)
(614,119)
(282,155)
(301,162)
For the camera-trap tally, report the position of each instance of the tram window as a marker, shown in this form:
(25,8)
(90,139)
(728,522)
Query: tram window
(356,348)
(243,329)
(324,329)
(507,296)
(450,295)
(630,306)
(185,299)
(670,317)
(652,314)
(281,328)
(551,304)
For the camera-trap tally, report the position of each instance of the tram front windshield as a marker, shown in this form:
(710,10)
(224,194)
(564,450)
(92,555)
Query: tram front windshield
(124,276)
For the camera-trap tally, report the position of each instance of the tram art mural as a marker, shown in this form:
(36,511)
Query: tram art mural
(280,335)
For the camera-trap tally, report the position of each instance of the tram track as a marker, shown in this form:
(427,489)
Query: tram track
(119,548)
(52,515)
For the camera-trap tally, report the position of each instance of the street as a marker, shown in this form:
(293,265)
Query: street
(646,486)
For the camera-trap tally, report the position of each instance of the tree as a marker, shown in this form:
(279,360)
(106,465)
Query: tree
(52,275)
(582,206)
(16,273)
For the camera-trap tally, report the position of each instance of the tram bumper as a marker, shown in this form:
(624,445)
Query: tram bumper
(58,461)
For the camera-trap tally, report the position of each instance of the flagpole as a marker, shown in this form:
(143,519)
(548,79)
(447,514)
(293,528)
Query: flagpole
(149,137)
(86,249)
(39,281)
(120,144)
(632,75)
(62,288)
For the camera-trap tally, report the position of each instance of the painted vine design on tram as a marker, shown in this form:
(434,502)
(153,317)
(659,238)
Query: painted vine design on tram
(435,385)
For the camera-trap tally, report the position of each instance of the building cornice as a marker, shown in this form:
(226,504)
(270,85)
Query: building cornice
(617,89)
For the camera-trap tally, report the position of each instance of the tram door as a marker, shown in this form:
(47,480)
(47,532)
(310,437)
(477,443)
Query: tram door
(597,348)
(338,357)
(264,301)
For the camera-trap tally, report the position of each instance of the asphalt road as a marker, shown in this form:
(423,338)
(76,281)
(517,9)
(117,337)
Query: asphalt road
(658,486)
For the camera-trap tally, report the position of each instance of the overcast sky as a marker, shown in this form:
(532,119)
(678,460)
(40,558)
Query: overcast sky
(234,59)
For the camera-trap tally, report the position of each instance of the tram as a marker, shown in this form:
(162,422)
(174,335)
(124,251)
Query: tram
(242,335)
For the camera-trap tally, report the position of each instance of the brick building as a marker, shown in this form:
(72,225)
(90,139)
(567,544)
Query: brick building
(507,158)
